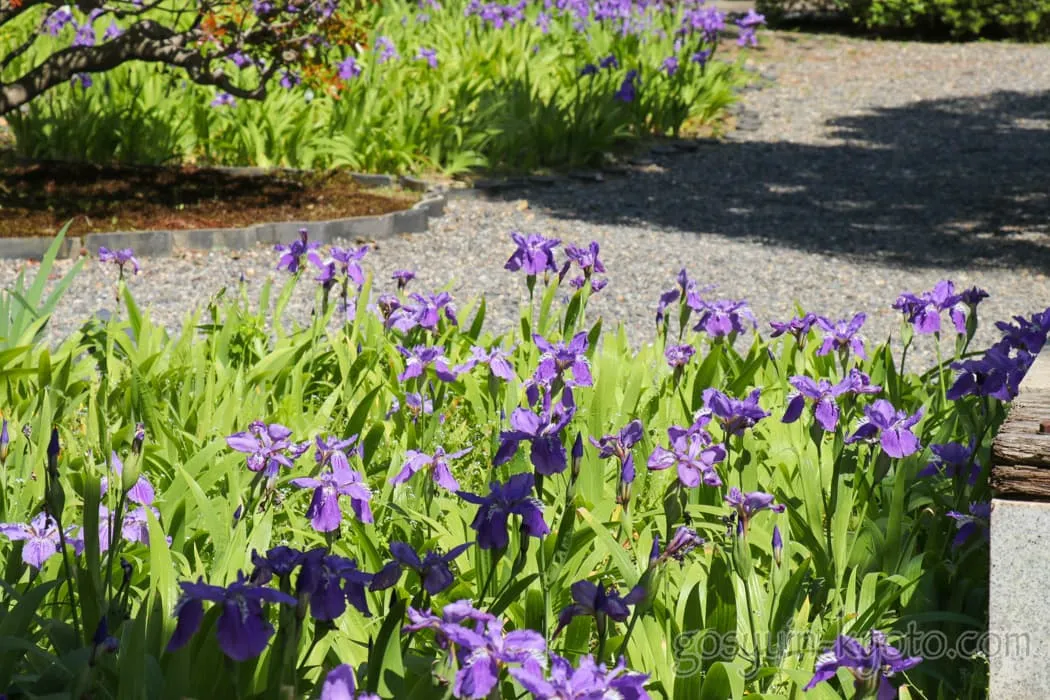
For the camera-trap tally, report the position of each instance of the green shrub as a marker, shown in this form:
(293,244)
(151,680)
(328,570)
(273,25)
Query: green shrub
(1021,19)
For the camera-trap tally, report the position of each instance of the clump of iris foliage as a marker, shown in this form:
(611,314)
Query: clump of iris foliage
(393,502)
(445,85)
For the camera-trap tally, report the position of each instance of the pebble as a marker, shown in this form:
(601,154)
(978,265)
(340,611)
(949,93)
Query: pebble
(873,168)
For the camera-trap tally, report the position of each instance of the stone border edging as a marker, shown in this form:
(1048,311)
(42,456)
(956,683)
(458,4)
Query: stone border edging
(160,243)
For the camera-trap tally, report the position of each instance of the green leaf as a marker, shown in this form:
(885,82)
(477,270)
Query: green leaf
(722,682)
(386,670)
(14,625)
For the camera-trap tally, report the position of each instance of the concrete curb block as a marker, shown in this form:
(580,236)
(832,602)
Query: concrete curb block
(162,243)
(34,248)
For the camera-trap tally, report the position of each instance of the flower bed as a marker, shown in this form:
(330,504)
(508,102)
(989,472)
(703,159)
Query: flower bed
(439,86)
(391,501)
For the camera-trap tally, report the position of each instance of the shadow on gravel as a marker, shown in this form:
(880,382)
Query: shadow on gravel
(957,182)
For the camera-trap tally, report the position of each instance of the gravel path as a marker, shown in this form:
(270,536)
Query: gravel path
(872,168)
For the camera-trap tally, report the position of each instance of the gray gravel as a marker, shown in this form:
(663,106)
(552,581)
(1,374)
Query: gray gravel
(872,168)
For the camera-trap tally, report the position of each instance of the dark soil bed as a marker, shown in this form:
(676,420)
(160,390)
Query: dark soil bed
(38,199)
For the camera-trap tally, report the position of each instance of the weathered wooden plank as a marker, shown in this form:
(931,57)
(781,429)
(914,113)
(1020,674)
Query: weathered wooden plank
(1020,440)
(1021,450)
(1037,378)
(1028,483)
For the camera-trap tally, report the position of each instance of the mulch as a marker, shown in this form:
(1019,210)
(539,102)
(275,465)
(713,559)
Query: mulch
(38,199)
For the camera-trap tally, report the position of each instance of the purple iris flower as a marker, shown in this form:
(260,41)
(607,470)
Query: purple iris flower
(748,504)
(535,254)
(586,258)
(543,21)
(892,426)
(417,359)
(453,613)
(339,685)
(543,431)
(113,31)
(387,50)
(504,500)
(722,317)
(589,69)
(798,327)
(679,355)
(57,21)
(433,568)
(436,464)
(429,55)
(324,512)
(670,65)
(141,492)
(824,394)
(842,335)
(588,681)
(240,60)
(871,667)
(973,296)
(701,57)
(329,582)
(951,460)
(294,253)
(333,451)
(41,538)
(498,361)
(973,523)
(693,455)
(1027,334)
(675,294)
(620,445)
(684,541)
(84,36)
(735,415)
(341,265)
(416,404)
(482,652)
(242,630)
(597,285)
(559,357)
(427,309)
(609,62)
(279,561)
(133,528)
(268,447)
(748,24)
(119,257)
(629,87)
(224,99)
(349,68)
(289,79)
(998,374)
(403,277)
(924,312)
(599,602)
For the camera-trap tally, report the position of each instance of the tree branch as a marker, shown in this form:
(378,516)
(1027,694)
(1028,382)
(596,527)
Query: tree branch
(144,41)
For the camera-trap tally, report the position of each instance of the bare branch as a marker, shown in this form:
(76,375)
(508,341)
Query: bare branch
(144,41)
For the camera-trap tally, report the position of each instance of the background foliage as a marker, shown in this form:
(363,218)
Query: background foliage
(962,19)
